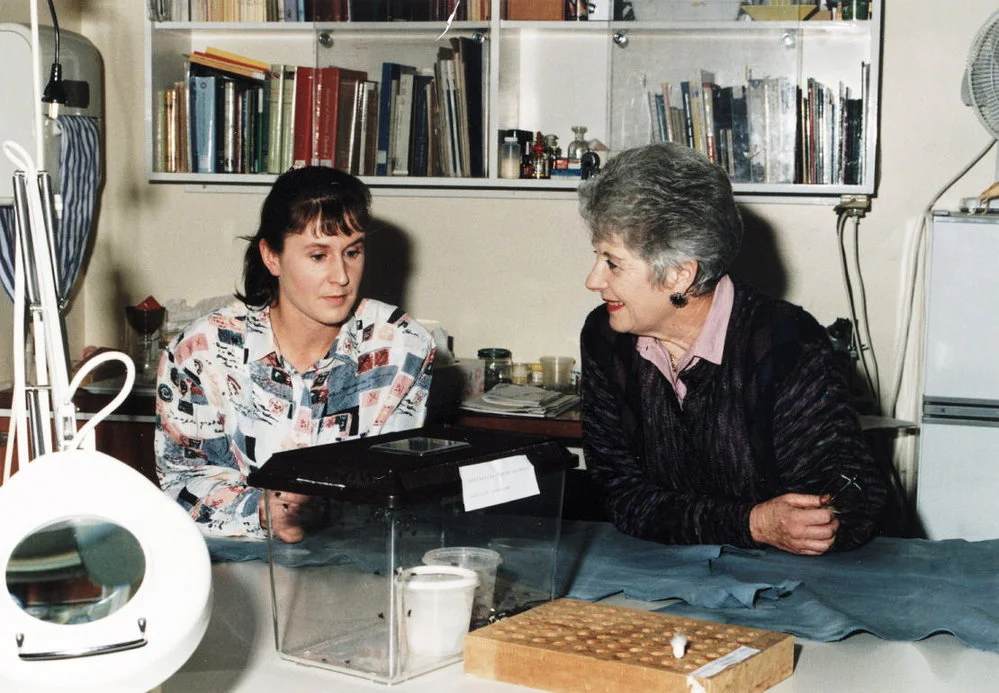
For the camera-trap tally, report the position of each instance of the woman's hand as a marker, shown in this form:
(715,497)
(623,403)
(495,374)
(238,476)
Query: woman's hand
(291,514)
(795,522)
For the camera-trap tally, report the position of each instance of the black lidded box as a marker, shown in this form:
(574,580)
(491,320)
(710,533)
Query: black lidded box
(398,469)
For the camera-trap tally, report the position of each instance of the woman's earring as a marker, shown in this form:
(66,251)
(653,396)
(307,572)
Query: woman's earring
(678,299)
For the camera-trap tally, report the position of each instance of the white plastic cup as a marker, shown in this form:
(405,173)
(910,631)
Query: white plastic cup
(483,561)
(556,372)
(437,608)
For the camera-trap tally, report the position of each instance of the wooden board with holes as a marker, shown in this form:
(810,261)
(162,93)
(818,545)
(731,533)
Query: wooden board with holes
(572,646)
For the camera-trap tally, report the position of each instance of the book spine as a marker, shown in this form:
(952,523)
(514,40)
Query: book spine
(325,116)
(304,109)
(183,125)
(203,96)
(170,141)
(230,125)
(688,116)
(370,139)
(421,125)
(384,120)
(159,130)
(275,112)
(288,118)
(403,124)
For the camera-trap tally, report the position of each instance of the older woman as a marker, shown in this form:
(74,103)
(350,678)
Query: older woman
(711,413)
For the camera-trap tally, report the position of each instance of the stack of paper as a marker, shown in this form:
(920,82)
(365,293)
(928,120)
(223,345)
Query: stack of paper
(521,400)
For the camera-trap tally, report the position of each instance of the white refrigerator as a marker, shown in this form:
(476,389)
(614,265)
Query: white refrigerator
(957,493)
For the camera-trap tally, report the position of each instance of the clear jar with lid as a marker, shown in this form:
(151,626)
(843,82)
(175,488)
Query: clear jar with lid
(497,364)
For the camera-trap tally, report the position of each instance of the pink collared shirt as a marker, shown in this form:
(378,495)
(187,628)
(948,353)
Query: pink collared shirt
(709,344)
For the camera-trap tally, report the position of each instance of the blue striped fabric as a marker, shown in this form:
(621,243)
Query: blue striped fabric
(7,250)
(80,171)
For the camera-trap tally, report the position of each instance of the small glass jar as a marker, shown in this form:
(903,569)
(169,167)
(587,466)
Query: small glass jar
(536,377)
(519,373)
(498,363)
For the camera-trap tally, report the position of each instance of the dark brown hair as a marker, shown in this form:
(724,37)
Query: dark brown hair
(300,197)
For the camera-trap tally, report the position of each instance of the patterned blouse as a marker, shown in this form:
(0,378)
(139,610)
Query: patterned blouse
(226,401)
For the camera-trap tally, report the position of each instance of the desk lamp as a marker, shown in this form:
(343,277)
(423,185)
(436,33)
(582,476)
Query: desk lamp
(107,582)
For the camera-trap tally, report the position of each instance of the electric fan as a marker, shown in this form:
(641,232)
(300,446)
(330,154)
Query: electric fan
(980,89)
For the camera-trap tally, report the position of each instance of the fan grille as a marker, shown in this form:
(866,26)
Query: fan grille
(983,74)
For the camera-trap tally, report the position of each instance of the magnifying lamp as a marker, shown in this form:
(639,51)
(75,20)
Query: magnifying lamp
(107,580)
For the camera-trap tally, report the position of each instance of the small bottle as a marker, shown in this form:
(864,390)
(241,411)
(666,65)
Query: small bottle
(498,363)
(578,146)
(539,161)
(510,158)
(536,377)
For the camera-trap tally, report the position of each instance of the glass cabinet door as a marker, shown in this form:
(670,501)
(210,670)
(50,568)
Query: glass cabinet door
(785,105)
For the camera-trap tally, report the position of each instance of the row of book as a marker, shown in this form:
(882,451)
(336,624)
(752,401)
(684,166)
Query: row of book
(316,10)
(768,130)
(233,114)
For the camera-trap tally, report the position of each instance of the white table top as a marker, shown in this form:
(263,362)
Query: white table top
(237,655)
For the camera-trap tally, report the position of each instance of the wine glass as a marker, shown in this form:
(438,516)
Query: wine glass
(145,352)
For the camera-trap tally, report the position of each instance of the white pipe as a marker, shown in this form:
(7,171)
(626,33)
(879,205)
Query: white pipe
(36,68)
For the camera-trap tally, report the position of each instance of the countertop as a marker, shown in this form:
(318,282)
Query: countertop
(238,655)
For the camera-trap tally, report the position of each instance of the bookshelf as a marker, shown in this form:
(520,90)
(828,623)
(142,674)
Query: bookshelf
(548,76)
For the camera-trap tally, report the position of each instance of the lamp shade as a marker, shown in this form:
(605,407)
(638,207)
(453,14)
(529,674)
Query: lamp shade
(84,522)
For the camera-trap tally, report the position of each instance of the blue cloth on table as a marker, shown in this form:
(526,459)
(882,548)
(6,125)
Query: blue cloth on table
(898,589)
(608,562)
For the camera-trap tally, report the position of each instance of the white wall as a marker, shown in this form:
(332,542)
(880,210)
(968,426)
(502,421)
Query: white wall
(510,272)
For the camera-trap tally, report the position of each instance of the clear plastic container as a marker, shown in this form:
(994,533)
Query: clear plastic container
(510,158)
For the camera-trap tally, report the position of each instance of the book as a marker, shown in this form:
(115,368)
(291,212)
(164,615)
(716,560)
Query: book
(469,54)
(304,122)
(388,89)
(235,59)
(688,116)
(159,130)
(741,151)
(707,108)
(421,124)
(170,130)
(402,119)
(345,120)
(227,66)
(722,116)
(288,118)
(326,89)
(229,127)
(203,99)
(275,115)
(369,128)
(183,125)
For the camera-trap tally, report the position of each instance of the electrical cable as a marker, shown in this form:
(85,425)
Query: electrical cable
(55,90)
(918,251)
(865,321)
(851,304)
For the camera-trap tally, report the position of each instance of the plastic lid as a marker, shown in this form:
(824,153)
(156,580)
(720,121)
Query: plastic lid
(495,353)
(440,577)
(464,556)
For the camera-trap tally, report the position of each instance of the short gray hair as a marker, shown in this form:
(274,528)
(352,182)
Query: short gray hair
(668,204)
